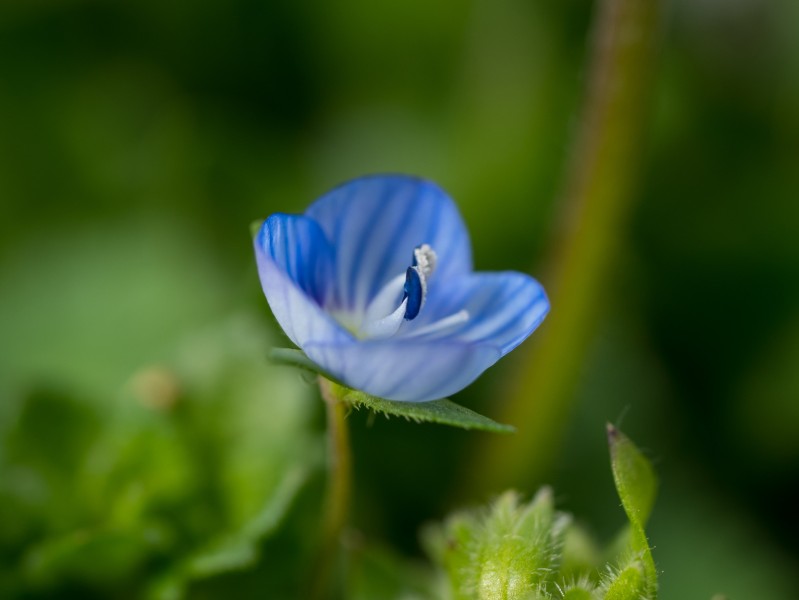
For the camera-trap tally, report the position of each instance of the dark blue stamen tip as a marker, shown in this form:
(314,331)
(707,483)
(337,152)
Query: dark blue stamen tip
(414,292)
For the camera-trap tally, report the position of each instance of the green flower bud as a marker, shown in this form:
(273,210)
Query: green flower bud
(627,584)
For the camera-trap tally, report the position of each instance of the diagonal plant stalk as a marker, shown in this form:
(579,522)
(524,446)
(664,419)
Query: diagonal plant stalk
(598,194)
(339,490)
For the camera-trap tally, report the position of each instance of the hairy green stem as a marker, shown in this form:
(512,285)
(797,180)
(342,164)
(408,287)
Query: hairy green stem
(597,197)
(339,489)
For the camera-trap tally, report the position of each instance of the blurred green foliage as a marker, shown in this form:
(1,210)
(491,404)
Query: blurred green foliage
(179,476)
(145,445)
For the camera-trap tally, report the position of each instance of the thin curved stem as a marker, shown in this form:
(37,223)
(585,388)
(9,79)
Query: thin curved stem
(339,490)
(598,193)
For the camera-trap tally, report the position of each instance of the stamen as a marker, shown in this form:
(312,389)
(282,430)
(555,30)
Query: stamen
(422,267)
(387,326)
(415,291)
(424,257)
(386,300)
(447,322)
(381,319)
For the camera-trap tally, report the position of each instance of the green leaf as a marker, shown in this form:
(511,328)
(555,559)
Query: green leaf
(171,283)
(255,227)
(636,485)
(239,550)
(376,572)
(77,554)
(442,411)
(296,358)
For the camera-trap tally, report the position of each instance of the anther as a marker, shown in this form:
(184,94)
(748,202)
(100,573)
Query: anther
(422,266)
(383,316)
(424,257)
(415,291)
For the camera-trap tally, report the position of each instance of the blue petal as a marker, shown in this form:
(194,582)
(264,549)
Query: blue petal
(504,308)
(295,263)
(411,371)
(374,223)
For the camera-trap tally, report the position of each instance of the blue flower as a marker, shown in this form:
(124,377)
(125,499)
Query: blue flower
(375,284)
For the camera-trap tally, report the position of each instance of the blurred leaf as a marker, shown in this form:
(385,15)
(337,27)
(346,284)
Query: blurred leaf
(296,358)
(444,412)
(126,292)
(53,430)
(180,476)
(237,550)
(99,558)
(636,485)
(260,453)
(375,572)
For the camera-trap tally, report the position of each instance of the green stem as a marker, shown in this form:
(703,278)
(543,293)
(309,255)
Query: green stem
(597,198)
(339,488)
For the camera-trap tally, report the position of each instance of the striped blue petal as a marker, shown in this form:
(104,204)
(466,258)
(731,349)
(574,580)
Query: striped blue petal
(295,265)
(504,308)
(355,248)
(411,371)
(374,223)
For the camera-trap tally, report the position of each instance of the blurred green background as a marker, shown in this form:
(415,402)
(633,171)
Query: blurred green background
(146,446)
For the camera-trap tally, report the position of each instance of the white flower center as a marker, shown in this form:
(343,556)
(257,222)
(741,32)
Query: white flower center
(402,299)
